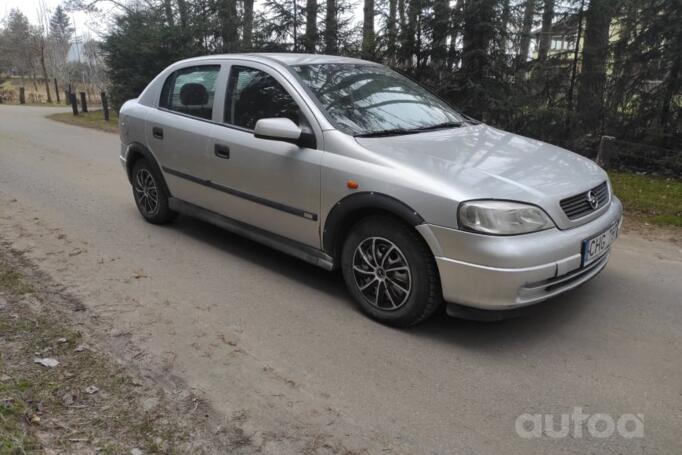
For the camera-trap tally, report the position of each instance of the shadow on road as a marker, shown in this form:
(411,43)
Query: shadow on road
(535,323)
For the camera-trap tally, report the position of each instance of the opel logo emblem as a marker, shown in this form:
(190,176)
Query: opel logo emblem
(592,199)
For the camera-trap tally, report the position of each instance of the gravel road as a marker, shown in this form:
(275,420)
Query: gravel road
(277,345)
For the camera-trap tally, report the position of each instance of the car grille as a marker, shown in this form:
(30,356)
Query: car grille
(579,205)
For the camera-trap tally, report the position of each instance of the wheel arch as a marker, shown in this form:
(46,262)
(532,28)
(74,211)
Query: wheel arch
(355,207)
(137,151)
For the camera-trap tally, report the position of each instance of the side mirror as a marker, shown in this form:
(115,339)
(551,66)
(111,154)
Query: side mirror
(277,129)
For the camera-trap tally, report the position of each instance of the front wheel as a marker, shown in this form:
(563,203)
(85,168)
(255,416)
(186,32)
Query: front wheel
(390,271)
(150,197)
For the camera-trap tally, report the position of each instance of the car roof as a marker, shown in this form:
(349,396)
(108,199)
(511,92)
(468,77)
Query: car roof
(286,58)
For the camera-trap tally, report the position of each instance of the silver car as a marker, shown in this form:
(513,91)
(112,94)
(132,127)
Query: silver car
(346,164)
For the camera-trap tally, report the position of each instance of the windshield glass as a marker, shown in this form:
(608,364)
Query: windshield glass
(364,99)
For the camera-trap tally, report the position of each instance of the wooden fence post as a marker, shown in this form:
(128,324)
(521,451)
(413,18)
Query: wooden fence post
(604,153)
(84,103)
(74,104)
(105,106)
(56,89)
(22,95)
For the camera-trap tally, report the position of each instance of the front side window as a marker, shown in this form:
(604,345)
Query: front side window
(363,99)
(253,94)
(191,91)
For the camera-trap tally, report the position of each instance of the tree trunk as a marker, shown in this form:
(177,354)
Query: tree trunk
(504,24)
(477,38)
(408,33)
(524,44)
(34,79)
(576,51)
(310,37)
(546,31)
(168,10)
(295,24)
(182,11)
(455,31)
(391,33)
(44,68)
(247,26)
(368,30)
(671,89)
(228,25)
(592,79)
(419,31)
(622,65)
(331,29)
(441,25)
(402,21)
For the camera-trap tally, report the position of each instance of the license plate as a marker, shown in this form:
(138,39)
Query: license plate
(597,246)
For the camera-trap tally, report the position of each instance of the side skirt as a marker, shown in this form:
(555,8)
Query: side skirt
(296,249)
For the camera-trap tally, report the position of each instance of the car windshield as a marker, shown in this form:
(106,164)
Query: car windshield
(367,100)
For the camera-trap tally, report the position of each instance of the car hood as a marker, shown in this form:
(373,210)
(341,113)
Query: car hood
(487,162)
(483,162)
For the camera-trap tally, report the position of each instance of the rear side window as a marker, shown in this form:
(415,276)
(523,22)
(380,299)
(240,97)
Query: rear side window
(191,91)
(253,94)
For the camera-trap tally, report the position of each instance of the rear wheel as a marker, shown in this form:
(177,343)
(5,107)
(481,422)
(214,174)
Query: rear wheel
(390,271)
(150,197)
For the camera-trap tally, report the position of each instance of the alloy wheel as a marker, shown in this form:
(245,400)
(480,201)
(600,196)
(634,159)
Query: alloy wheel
(382,273)
(146,193)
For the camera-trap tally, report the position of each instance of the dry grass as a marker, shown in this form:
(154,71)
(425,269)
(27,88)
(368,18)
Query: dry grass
(36,95)
(56,410)
(92,119)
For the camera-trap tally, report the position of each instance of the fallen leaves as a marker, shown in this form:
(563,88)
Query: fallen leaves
(91,389)
(47,362)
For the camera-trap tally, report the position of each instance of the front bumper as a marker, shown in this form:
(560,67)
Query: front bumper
(506,272)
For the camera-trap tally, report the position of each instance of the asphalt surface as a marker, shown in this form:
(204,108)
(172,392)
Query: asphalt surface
(278,345)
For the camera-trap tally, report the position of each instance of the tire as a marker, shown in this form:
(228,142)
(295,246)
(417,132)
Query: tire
(146,183)
(390,271)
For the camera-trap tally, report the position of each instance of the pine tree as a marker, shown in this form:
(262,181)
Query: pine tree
(592,79)
(331,28)
(310,37)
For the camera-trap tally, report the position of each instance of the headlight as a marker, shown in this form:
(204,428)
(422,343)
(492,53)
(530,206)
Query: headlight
(502,217)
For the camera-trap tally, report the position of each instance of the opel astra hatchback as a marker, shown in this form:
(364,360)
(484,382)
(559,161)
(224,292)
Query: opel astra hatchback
(348,165)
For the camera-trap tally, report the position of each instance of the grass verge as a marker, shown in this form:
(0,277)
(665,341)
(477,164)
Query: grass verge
(92,119)
(649,199)
(36,104)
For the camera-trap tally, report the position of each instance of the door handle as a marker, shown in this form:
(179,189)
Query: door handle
(157,132)
(222,151)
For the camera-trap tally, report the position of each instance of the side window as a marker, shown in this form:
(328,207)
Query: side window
(191,91)
(253,94)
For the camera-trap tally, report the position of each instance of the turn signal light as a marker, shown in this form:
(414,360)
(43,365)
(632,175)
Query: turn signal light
(352,184)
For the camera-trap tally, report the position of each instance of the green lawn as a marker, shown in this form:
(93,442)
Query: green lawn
(92,119)
(654,200)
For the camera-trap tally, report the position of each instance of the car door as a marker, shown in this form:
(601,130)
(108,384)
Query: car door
(178,129)
(269,184)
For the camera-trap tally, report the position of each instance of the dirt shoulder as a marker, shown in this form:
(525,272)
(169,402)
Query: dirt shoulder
(62,391)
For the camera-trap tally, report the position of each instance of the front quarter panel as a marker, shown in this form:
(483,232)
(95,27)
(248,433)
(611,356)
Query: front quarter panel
(346,160)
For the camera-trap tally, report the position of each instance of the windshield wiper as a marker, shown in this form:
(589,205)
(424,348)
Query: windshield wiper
(421,129)
(439,126)
(390,132)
